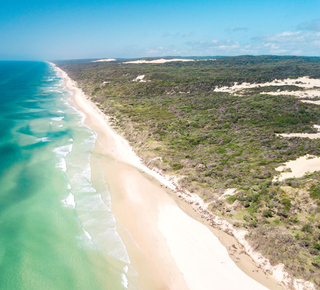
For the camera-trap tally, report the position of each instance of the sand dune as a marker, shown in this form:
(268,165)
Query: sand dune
(157,61)
(310,87)
(298,167)
(105,60)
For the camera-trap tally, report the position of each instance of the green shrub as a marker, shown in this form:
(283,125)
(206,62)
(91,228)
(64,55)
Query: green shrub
(246,218)
(307,228)
(177,166)
(267,213)
(314,192)
(287,203)
(317,246)
(316,261)
(254,224)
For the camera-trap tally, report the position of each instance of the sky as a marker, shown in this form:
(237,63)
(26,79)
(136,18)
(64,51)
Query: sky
(78,29)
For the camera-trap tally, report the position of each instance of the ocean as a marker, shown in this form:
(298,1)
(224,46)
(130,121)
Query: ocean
(57,229)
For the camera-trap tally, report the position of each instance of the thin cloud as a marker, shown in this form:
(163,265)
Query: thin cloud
(314,25)
(166,34)
(302,42)
(237,29)
(283,37)
(291,43)
(215,47)
(188,34)
(177,34)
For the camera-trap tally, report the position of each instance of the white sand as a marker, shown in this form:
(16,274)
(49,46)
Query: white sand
(199,255)
(303,164)
(157,61)
(139,79)
(299,167)
(303,82)
(311,102)
(301,135)
(228,192)
(105,60)
(299,94)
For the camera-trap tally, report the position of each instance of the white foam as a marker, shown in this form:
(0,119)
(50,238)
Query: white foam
(88,189)
(83,117)
(54,91)
(86,173)
(57,119)
(70,140)
(124,281)
(88,235)
(60,126)
(62,151)
(62,164)
(59,111)
(43,139)
(69,200)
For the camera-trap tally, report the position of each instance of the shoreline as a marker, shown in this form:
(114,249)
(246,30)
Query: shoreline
(129,163)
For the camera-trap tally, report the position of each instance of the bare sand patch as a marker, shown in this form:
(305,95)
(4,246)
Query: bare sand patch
(105,60)
(299,94)
(298,167)
(301,135)
(139,79)
(311,102)
(302,82)
(157,61)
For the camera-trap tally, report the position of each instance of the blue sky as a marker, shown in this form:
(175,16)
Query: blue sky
(51,30)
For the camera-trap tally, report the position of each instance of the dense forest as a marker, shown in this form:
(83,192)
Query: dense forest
(216,140)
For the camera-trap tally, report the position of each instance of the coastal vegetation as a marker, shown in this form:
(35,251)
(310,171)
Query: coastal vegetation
(216,140)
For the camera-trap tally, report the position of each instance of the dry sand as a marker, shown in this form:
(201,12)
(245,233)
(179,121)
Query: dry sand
(140,79)
(300,94)
(310,87)
(105,60)
(301,135)
(157,61)
(168,248)
(298,167)
(311,102)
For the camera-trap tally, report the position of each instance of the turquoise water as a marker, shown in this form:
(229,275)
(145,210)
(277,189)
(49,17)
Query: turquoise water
(56,230)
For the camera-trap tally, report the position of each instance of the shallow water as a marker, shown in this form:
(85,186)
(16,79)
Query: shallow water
(57,231)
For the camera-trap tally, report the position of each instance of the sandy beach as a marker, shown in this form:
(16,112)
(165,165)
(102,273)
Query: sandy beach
(167,245)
